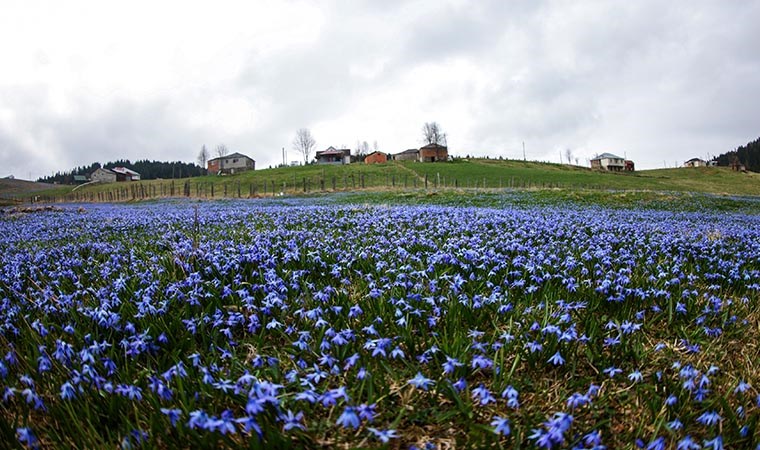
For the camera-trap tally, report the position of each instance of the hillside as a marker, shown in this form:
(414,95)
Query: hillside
(12,189)
(462,174)
(148,170)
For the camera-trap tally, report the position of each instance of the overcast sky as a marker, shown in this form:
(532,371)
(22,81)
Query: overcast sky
(656,81)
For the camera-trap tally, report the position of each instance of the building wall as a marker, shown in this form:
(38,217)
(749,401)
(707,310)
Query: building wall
(230,164)
(103,176)
(612,164)
(376,158)
(406,156)
(213,166)
(434,154)
(330,159)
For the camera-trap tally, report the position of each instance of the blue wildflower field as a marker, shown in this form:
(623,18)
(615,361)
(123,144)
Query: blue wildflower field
(237,324)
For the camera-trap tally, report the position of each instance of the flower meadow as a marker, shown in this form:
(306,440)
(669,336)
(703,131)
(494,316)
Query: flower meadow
(254,325)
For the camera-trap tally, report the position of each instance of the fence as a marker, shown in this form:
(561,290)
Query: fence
(263,187)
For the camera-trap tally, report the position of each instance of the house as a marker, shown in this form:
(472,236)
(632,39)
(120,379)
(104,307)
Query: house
(124,174)
(629,166)
(103,175)
(608,161)
(433,153)
(695,162)
(376,158)
(80,179)
(332,155)
(412,154)
(230,164)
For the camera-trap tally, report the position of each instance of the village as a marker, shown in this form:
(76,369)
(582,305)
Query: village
(430,153)
(236,162)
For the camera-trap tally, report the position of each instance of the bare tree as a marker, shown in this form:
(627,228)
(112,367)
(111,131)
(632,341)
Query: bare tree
(433,133)
(203,157)
(221,150)
(362,148)
(375,147)
(569,155)
(304,143)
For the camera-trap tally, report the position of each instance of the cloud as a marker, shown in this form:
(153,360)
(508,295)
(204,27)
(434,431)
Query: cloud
(645,78)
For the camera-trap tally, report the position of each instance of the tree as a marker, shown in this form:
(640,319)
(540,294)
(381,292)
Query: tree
(203,157)
(433,133)
(304,143)
(375,147)
(569,155)
(362,148)
(221,150)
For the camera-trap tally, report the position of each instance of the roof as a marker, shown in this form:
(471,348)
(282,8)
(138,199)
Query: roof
(433,145)
(376,151)
(231,155)
(411,150)
(695,159)
(606,156)
(80,178)
(124,171)
(334,151)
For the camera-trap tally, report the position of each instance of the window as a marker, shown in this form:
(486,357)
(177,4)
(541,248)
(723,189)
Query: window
(234,161)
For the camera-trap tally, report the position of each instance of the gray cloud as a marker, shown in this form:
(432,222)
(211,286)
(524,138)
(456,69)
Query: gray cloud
(648,78)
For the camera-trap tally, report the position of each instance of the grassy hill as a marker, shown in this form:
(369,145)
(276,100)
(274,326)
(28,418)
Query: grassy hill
(11,189)
(462,174)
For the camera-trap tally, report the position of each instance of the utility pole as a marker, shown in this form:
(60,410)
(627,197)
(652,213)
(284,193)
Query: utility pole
(283,157)
(524,159)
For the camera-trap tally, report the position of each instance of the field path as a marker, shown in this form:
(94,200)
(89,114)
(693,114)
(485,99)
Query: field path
(406,169)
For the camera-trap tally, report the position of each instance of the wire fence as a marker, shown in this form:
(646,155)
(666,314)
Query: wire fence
(271,187)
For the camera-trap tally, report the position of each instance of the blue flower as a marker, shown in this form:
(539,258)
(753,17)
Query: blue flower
(26,437)
(511,395)
(687,443)
(742,387)
(709,418)
(293,420)
(67,391)
(483,395)
(420,382)
(500,425)
(173,415)
(658,443)
(383,435)
(715,443)
(481,362)
(349,418)
(450,365)
(557,359)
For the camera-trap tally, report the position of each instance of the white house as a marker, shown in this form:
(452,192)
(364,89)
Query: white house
(608,161)
(695,162)
(103,175)
(234,163)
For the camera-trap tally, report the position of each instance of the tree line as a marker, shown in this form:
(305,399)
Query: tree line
(749,155)
(148,170)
